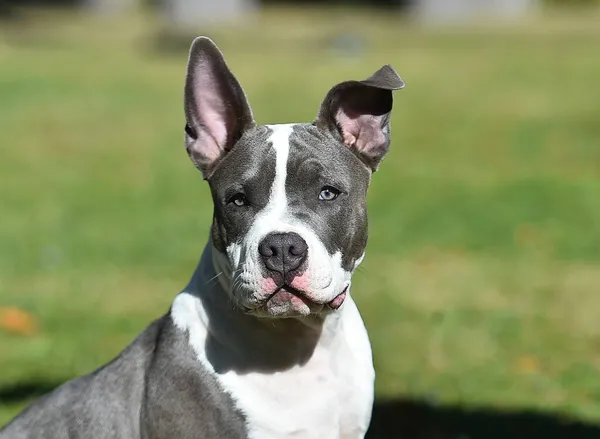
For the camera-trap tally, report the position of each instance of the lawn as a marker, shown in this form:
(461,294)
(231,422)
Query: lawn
(481,285)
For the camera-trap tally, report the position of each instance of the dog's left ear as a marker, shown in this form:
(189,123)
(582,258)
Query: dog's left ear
(358,113)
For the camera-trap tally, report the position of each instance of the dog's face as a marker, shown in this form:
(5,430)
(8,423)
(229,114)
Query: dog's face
(290,214)
(290,200)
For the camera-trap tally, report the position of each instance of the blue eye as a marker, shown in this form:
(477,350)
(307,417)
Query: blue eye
(328,193)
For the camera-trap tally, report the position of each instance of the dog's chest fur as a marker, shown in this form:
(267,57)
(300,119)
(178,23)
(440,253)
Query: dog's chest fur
(329,396)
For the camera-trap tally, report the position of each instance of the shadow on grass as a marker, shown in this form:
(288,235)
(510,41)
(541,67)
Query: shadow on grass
(413,419)
(410,419)
(19,392)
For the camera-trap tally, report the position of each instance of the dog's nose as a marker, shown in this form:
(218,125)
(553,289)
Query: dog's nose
(283,252)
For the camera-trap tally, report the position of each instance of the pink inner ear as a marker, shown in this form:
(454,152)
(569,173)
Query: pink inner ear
(206,149)
(361,131)
(213,113)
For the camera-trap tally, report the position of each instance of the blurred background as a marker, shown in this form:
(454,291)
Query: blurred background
(481,285)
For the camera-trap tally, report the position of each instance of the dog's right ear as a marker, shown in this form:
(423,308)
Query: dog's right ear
(216,109)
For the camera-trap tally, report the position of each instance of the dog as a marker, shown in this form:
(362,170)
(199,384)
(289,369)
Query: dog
(265,342)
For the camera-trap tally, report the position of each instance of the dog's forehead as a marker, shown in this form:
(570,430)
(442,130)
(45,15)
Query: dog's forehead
(318,153)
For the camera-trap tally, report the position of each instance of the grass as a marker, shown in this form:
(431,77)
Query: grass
(482,278)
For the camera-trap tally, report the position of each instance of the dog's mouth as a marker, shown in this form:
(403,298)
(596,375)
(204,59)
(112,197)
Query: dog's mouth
(287,293)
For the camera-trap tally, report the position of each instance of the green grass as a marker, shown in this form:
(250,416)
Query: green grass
(481,284)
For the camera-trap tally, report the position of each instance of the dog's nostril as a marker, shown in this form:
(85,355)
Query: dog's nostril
(297,250)
(267,250)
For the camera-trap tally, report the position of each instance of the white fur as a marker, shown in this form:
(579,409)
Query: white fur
(326,276)
(328,397)
(188,315)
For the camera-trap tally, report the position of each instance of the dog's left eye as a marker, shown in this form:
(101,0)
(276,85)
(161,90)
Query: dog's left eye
(239,200)
(329,193)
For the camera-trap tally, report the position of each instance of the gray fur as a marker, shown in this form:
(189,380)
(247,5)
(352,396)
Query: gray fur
(318,160)
(249,169)
(150,391)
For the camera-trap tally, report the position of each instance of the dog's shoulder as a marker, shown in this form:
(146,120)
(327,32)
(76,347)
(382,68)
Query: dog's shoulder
(179,385)
(100,404)
(147,391)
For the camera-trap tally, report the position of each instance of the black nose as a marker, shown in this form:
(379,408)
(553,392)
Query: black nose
(283,252)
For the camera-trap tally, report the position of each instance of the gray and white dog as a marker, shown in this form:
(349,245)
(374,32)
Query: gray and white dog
(265,342)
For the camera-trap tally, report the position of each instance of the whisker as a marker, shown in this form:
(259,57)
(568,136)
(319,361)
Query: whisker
(213,278)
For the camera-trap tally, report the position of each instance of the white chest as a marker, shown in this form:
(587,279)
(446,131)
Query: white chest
(329,397)
(312,401)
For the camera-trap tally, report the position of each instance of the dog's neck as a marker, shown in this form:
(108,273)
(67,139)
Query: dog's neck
(221,267)
(245,343)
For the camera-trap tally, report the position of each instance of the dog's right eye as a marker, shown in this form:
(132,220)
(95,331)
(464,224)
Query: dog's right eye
(239,200)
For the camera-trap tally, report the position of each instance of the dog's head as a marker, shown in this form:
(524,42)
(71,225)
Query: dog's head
(290,200)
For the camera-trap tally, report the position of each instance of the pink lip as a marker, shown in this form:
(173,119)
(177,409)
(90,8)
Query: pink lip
(294,295)
(339,299)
